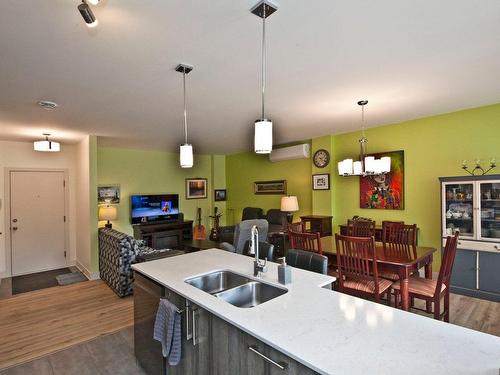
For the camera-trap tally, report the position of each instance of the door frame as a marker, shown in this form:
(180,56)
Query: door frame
(8,239)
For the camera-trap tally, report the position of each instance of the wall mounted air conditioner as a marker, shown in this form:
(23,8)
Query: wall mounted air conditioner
(302,151)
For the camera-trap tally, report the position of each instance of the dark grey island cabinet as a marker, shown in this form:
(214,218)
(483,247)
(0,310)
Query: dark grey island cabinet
(210,345)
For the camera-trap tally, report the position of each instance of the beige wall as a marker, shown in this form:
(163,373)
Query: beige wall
(21,155)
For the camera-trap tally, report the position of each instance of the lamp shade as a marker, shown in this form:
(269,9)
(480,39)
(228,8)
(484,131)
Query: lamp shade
(289,204)
(263,142)
(186,156)
(46,146)
(108,213)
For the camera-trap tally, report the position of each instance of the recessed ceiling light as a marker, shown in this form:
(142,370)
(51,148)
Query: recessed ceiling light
(48,105)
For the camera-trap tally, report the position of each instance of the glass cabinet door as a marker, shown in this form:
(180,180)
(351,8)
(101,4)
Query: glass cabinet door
(458,209)
(489,201)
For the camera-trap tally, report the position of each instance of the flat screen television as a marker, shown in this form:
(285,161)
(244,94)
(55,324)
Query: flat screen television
(154,208)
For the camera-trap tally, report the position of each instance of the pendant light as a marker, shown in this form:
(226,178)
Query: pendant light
(368,165)
(46,145)
(263,139)
(186,149)
(87,14)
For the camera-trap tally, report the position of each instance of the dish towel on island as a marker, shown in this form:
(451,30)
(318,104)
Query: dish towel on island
(168,331)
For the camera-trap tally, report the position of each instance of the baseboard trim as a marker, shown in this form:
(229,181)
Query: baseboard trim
(86,272)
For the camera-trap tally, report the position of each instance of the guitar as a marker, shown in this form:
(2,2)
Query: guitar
(199,229)
(214,232)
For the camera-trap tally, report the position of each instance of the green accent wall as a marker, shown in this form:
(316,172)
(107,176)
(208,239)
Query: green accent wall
(155,172)
(243,169)
(434,147)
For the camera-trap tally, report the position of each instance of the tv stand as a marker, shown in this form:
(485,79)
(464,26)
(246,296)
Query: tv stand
(165,235)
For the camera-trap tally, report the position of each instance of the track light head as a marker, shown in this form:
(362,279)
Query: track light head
(93,2)
(87,15)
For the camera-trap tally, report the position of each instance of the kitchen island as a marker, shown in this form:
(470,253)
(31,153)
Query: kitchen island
(324,331)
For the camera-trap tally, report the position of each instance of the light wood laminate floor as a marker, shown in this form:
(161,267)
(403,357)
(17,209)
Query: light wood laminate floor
(38,323)
(53,320)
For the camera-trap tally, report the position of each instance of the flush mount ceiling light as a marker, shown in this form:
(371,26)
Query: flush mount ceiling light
(186,149)
(263,139)
(87,14)
(48,105)
(46,145)
(368,165)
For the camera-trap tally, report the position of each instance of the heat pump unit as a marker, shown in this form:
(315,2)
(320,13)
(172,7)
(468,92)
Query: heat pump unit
(302,151)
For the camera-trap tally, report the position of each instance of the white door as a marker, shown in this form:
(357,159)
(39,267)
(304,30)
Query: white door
(37,221)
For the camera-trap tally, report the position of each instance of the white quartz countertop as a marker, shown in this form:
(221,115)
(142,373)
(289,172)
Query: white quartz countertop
(330,332)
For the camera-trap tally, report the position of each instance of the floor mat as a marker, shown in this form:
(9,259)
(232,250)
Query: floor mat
(36,281)
(71,278)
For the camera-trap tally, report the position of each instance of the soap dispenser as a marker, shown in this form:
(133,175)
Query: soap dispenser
(284,272)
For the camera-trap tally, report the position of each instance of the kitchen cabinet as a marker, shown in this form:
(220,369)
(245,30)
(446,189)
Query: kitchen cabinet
(471,205)
(236,352)
(210,345)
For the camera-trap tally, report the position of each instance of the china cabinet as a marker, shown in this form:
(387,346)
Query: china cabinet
(471,205)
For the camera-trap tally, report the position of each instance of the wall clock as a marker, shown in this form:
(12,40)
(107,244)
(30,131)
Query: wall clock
(321,158)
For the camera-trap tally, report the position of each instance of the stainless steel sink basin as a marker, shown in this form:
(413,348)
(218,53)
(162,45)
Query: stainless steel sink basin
(251,294)
(218,281)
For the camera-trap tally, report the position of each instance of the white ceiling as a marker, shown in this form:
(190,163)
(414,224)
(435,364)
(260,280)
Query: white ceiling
(409,58)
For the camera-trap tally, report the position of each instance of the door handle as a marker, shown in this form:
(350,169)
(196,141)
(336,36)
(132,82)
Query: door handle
(14,221)
(189,335)
(14,228)
(194,314)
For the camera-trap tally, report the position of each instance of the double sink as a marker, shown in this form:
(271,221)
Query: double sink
(238,290)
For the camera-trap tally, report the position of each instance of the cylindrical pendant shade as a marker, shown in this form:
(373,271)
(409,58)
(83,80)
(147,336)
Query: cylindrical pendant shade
(186,155)
(46,146)
(386,164)
(263,142)
(358,168)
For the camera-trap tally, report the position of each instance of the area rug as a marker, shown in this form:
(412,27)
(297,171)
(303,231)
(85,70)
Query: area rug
(71,278)
(36,281)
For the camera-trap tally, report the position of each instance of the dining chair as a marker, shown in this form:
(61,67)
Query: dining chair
(309,241)
(361,228)
(357,268)
(430,290)
(307,260)
(399,240)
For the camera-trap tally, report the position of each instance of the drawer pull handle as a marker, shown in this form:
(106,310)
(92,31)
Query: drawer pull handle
(280,365)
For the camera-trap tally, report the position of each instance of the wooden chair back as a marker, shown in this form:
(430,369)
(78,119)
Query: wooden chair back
(356,259)
(399,238)
(305,241)
(447,261)
(361,228)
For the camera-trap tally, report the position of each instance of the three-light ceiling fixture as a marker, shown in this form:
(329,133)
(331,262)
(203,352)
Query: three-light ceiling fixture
(368,165)
(186,149)
(87,14)
(263,139)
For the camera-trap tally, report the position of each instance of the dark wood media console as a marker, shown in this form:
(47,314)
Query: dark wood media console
(168,235)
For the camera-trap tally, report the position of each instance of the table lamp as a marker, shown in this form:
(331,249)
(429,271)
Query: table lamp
(108,213)
(289,204)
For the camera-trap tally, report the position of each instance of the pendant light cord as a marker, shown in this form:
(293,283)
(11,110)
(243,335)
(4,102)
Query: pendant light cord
(263,59)
(185,111)
(363,120)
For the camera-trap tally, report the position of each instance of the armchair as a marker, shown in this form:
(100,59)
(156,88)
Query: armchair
(277,220)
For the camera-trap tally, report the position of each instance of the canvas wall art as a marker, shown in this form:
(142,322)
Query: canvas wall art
(384,191)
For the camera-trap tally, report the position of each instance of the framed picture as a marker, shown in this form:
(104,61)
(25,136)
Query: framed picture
(196,188)
(270,187)
(220,195)
(321,181)
(385,191)
(108,194)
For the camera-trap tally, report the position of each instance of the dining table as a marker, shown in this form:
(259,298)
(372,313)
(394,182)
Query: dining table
(404,264)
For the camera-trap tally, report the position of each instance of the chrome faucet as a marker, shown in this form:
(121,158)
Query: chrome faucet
(258,265)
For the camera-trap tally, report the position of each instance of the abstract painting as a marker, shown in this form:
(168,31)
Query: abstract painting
(384,191)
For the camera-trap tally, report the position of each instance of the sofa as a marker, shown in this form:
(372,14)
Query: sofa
(117,252)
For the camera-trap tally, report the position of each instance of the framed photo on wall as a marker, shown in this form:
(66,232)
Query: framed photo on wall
(108,194)
(196,188)
(220,195)
(270,187)
(321,181)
